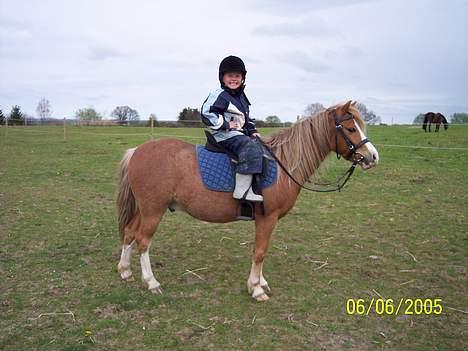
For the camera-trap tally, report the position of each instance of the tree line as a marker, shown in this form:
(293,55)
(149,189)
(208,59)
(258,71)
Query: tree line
(190,117)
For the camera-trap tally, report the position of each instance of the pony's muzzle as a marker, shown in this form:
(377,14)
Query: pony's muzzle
(369,156)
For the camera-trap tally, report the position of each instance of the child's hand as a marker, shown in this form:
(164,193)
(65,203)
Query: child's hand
(234,125)
(255,135)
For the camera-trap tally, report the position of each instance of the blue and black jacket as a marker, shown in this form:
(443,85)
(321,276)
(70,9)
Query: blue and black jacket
(224,105)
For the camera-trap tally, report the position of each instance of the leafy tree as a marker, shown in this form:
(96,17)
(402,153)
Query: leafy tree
(125,114)
(312,109)
(369,116)
(260,123)
(419,119)
(87,114)
(2,118)
(459,118)
(191,117)
(16,116)
(44,109)
(189,114)
(272,119)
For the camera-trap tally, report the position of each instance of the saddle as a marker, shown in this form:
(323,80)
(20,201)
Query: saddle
(213,146)
(218,166)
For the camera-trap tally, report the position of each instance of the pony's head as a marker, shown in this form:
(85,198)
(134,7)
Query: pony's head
(349,138)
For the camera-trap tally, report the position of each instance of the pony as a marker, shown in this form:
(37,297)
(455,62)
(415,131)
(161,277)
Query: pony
(163,174)
(436,118)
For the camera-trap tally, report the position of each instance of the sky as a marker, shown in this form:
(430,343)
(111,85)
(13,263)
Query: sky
(398,57)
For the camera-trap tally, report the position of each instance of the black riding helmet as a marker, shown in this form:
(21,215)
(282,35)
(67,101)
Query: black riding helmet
(231,64)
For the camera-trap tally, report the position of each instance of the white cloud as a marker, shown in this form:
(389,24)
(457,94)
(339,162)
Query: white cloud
(399,57)
(312,26)
(298,7)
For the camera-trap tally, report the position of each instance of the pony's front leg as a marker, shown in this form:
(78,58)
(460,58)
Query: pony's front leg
(256,284)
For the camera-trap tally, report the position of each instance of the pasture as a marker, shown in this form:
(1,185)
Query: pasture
(396,231)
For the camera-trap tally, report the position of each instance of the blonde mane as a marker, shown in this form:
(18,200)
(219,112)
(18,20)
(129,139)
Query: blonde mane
(304,146)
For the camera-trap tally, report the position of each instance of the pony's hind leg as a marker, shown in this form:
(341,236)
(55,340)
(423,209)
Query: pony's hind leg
(143,239)
(124,264)
(127,247)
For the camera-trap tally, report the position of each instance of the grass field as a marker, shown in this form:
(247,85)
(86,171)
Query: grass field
(396,231)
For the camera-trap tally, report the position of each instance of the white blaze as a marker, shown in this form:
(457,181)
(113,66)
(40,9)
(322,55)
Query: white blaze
(370,148)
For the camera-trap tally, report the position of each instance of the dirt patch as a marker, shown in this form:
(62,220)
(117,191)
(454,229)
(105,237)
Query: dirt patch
(108,311)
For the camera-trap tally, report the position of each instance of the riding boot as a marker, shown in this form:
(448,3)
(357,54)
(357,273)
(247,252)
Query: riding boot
(244,190)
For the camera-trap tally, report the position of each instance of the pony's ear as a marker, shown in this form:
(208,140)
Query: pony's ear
(346,106)
(354,103)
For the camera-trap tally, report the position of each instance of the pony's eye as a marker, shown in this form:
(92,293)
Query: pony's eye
(351,130)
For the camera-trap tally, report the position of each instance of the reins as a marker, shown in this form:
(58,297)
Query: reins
(341,182)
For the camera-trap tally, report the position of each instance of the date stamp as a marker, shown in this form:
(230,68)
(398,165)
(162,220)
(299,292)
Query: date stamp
(389,307)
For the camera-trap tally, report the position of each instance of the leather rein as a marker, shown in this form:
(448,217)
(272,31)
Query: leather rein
(352,151)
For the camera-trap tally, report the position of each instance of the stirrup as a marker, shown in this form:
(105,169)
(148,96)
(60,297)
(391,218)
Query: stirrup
(246,210)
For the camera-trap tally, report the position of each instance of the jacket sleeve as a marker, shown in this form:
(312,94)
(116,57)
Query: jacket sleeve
(213,109)
(250,126)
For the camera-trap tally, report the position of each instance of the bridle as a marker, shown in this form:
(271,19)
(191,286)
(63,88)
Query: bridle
(352,148)
(352,152)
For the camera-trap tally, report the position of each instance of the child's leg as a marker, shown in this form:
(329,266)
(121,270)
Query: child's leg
(250,162)
(249,153)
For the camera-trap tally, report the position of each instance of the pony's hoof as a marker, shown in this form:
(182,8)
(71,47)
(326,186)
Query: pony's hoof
(129,279)
(259,294)
(266,288)
(156,290)
(126,275)
(261,298)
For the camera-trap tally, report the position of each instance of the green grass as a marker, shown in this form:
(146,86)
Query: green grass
(59,248)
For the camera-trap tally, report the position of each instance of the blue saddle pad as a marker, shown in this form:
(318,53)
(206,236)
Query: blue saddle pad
(218,174)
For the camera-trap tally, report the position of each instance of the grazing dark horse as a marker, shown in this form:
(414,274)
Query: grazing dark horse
(436,118)
(164,174)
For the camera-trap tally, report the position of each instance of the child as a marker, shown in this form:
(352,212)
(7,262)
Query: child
(226,112)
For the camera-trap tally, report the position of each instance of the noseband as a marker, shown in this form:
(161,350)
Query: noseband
(352,148)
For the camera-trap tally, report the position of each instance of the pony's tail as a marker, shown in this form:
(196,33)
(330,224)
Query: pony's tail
(426,118)
(444,121)
(126,205)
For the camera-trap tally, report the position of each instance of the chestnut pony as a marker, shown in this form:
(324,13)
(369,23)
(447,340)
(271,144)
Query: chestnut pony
(164,174)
